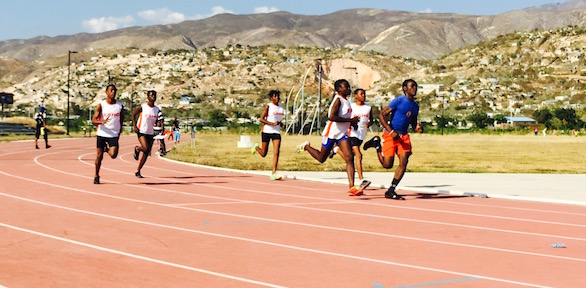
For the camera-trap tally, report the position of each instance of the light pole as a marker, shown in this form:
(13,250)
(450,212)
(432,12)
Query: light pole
(68,78)
(443,120)
(319,70)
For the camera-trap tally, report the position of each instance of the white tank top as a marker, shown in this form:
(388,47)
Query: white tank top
(275,114)
(111,112)
(337,130)
(363,112)
(147,119)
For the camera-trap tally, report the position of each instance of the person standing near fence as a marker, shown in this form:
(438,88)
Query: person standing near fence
(160,134)
(41,128)
(176,131)
(271,118)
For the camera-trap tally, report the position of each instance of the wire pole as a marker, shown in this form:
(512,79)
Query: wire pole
(68,79)
(319,97)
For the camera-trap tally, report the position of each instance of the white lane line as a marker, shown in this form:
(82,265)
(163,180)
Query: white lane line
(210,203)
(342,255)
(277,184)
(139,257)
(465,214)
(557,237)
(294,223)
(332,211)
(408,208)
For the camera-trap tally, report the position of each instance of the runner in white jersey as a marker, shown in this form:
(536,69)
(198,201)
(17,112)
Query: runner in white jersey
(145,128)
(108,117)
(160,134)
(271,117)
(363,111)
(336,132)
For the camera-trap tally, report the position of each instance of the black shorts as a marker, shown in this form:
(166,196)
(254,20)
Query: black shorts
(355,141)
(101,142)
(149,138)
(266,137)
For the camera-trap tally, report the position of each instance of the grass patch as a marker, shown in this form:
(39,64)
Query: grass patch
(431,153)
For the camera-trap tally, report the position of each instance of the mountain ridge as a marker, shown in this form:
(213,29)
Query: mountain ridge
(396,32)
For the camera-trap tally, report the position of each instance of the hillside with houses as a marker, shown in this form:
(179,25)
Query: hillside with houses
(513,75)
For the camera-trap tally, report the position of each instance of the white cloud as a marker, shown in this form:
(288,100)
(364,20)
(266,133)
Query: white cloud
(215,11)
(220,10)
(265,9)
(428,10)
(97,25)
(162,16)
(154,16)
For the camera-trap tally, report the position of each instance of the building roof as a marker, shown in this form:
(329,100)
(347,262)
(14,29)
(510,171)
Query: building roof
(519,119)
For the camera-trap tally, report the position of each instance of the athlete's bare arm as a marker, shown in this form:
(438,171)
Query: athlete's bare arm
(96,119)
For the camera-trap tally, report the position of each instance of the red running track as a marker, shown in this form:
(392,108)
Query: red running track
(188,226)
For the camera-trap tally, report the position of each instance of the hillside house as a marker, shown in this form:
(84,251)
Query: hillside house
(576,56)
(428,88)
(186,101)
(520,121)
(547,103)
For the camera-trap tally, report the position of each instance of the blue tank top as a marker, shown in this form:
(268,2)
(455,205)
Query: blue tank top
(403,111)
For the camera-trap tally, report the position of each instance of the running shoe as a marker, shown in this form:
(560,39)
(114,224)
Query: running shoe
(365,183)
(333,152)
(301,146)
(276,177)
(97,180)
(48,146)
(137,174)
(355,191)
(390,194)
(253,150)
(136,153)
(37,147)
(372,143)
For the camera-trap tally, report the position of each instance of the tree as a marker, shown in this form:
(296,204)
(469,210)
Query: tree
(443,121)
(569,118)
(217,118)
(480,119)
(543,116)
(500,119)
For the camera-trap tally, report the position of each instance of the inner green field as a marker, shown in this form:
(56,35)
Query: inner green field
(465,153)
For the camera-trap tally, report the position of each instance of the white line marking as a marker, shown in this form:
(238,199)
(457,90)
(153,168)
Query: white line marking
(118,252)
(209,203)
(309,188)
(466,214)
(253,241)
(284,221)
(325,210)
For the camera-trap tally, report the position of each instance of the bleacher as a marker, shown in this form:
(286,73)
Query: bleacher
(16,128)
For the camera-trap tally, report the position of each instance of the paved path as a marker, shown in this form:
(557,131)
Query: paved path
(552,188)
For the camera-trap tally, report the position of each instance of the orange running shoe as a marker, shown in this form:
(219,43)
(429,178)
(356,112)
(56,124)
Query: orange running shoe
(355,191)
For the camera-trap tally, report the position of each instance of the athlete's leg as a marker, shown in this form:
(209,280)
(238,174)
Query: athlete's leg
(276,152)
(262,151)
(146,144)
(403,160)
(319,155)
(143,144)
(99,157)
(358,161)
(344,145)
(113,152)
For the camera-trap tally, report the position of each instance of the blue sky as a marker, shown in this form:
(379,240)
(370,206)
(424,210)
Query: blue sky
(24,19)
